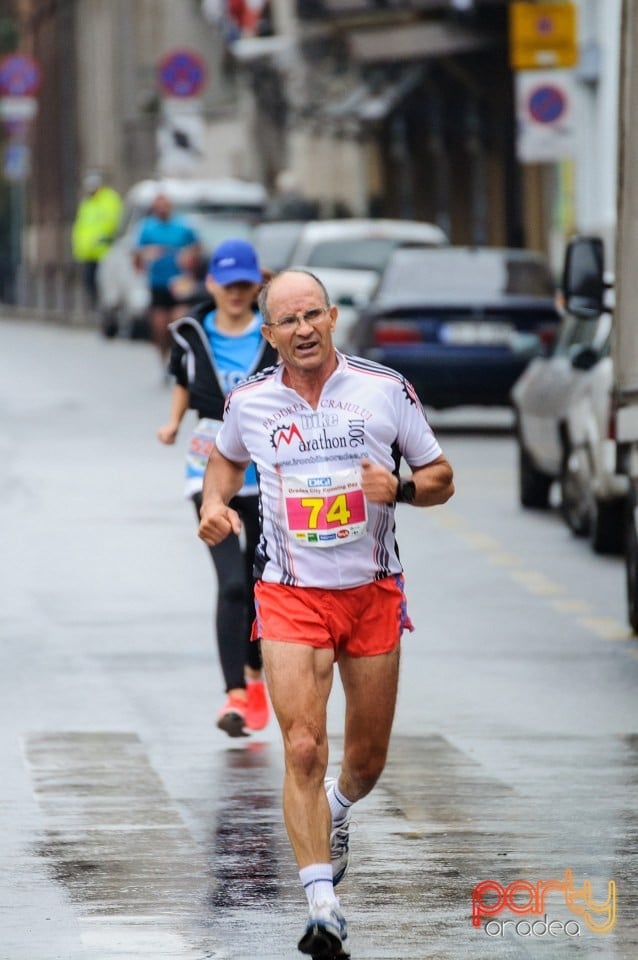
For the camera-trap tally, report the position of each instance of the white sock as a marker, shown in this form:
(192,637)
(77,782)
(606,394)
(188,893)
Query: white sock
(339,804)
(317,882)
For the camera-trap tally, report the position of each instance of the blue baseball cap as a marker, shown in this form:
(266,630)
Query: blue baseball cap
(235,261)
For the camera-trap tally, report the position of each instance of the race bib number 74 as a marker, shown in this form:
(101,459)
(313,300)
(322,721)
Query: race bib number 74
(325,511)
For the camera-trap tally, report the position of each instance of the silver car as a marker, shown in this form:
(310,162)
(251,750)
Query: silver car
(565,433)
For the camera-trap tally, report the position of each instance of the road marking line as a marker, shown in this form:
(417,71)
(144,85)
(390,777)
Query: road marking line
(538,584)
(607,628)
(571,605)
(115,837)
(505,560)
(448,519)
(481,542)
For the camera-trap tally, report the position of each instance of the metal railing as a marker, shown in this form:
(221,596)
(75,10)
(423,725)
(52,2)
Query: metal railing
(50,292)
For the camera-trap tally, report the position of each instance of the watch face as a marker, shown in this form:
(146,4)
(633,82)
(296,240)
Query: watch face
(408,491)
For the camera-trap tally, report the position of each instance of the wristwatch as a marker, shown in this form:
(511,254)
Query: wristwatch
(406,491)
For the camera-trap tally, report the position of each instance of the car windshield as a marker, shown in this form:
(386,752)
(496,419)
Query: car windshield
(370,253)
(275,242)
(213,230)
(464,273)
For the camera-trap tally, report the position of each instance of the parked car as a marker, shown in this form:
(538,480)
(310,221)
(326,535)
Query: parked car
(275,241)
(349,255)
(216,209)
(565,432)
(590,293)
(540,398)
(593,492)
(461,323)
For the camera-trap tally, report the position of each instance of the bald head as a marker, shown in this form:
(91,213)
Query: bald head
(289,283)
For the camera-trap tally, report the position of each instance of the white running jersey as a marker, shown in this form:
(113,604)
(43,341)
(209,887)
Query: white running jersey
(318,530)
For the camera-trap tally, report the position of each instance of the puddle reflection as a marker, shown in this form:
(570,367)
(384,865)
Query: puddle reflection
(243,851)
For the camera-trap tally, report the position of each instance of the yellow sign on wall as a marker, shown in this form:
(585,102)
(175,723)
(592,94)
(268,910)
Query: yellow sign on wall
(542,35)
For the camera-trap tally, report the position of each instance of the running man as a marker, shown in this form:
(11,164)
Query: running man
(327,433)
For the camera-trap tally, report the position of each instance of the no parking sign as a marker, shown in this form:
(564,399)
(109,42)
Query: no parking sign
(182,73)
(19,75)
(545,115)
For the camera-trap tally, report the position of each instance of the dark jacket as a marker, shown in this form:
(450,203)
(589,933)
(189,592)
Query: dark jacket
(193,367)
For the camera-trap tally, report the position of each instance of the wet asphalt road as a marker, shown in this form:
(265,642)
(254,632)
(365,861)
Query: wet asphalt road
(132,828)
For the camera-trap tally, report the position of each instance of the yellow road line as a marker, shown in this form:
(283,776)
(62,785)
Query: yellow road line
(570,605)
(607,628)
(536,583)
(505,560)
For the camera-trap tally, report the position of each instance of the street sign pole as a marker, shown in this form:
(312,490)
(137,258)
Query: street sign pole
(181,76)
(20,79)
(16,202)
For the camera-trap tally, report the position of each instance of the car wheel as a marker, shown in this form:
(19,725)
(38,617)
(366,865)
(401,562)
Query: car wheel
(109,324)
(631,565)
(574,504)
(607,526)
(534,486)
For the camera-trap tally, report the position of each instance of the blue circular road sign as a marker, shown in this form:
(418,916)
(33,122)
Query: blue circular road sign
(20,75)
(547,104)
(182,73)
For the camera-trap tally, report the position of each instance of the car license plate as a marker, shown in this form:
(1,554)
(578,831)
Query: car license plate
(474,333)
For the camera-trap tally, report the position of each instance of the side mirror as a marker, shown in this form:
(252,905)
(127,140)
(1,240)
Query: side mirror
(583,277)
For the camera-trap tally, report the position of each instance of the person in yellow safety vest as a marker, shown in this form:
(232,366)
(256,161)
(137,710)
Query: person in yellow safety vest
(94,228)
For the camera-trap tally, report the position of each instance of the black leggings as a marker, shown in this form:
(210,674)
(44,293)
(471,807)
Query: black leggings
(235,598)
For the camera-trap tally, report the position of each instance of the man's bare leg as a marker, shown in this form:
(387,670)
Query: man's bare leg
(299,681)
(370,685)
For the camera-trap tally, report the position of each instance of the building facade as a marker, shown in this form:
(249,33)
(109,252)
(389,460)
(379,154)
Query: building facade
(406,109)
(401,108)
(409,108)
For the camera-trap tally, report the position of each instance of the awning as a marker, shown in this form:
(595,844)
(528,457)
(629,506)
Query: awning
(417,41)
(250,49)
(313,9)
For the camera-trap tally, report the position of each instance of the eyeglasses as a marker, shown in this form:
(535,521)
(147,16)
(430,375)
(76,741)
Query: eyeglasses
(290,323)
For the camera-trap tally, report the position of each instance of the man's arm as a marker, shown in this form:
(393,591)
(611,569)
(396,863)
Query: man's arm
(222,480)
(433,483)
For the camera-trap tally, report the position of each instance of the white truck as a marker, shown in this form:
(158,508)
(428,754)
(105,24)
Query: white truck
(585,292)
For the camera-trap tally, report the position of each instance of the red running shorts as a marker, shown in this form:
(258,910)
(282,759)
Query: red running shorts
(360,621)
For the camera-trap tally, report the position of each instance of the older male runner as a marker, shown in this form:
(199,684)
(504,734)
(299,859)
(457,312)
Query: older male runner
(327,433)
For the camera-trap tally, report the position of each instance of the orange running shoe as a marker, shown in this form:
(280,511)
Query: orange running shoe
(257,709)
(232,717)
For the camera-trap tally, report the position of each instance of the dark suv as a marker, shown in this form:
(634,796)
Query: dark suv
(461,323)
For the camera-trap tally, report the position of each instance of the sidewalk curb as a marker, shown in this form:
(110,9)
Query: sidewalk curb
(10,311)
